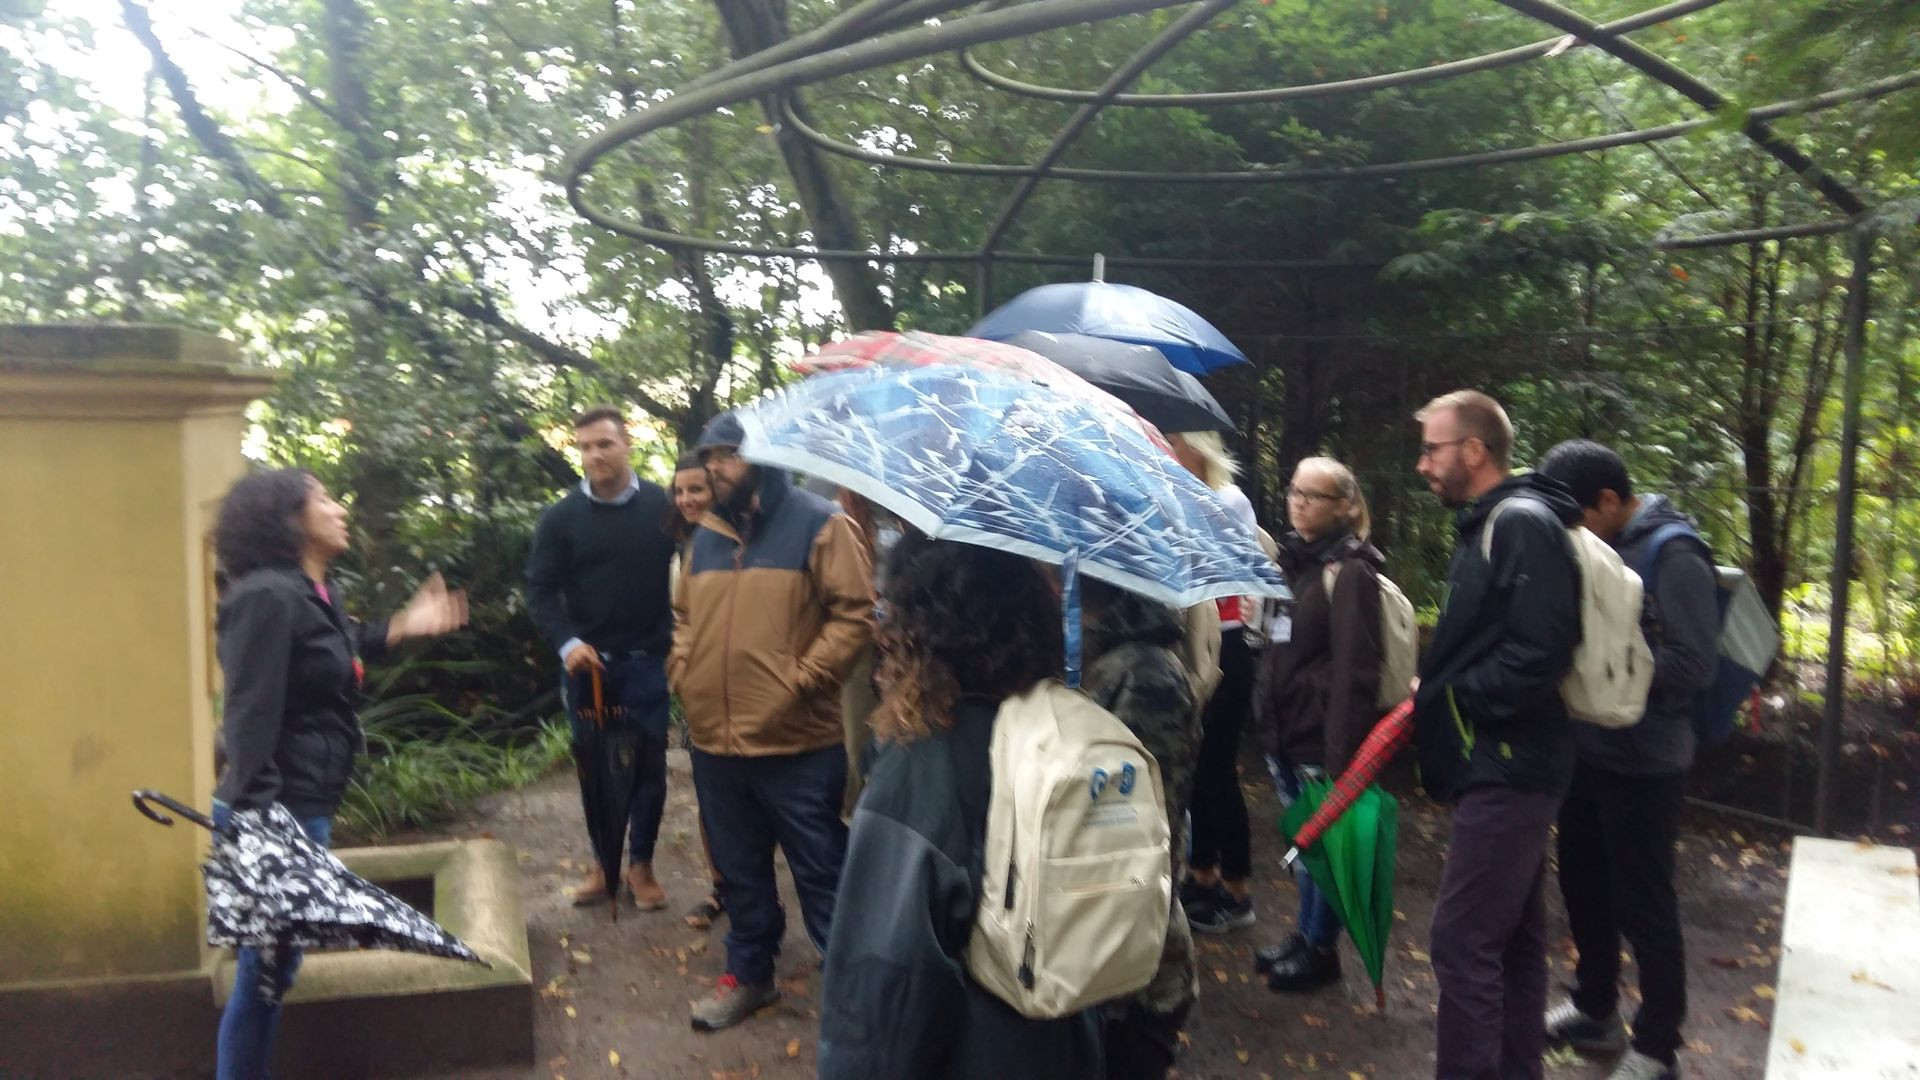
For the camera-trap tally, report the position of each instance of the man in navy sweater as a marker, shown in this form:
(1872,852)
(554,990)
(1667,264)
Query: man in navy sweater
(597,590)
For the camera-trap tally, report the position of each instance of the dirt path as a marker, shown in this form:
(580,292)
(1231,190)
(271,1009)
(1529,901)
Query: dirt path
(623,988)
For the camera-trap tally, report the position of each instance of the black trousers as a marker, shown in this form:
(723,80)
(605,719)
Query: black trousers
(1220,831)
(1616,871)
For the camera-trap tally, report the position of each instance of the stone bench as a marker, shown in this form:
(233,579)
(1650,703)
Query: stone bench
(380,1013)
(1848,995)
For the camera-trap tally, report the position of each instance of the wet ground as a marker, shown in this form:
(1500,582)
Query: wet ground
(614,996)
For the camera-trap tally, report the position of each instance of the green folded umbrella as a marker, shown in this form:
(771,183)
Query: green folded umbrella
(1352,865)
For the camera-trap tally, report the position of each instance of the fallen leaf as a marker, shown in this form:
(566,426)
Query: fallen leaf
(1729,962)
(580,956)
(1416,954)
(793,1048)
(1314,1021)
(559,1062)
(1863,977)
(1354,1075)
(1242,1055)
(613,1058)
(1798,1046)
(1746,1015)
(573,1013)
(1220,974)
(1763,992)
(1186,1041)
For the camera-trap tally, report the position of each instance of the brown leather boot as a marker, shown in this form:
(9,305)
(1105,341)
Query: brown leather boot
(591,890)
(647,893)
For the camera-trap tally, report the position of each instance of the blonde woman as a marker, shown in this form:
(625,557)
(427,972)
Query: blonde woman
(1216,895)
(1315,700)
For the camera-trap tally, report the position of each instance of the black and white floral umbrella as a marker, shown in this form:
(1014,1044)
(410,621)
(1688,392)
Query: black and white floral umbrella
(271,888)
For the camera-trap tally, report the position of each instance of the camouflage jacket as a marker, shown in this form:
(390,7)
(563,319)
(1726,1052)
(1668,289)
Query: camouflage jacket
(1134,671)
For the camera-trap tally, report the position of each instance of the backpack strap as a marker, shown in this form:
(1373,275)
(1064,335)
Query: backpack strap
(1486,527)
(1650,557)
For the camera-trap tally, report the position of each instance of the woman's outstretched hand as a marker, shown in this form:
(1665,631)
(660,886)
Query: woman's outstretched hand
(433,610)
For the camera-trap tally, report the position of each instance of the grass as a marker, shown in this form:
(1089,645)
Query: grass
(425,762)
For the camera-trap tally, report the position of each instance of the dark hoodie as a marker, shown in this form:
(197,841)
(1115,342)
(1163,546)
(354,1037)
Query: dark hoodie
(1315,698)
(1683,626)
(1489,711)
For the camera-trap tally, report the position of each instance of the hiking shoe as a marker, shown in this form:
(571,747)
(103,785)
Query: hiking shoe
(1265,959)
(1219,912)
(1568,1026)
(732,1002)
(1192,893)
(1638,1066)
(1308,969)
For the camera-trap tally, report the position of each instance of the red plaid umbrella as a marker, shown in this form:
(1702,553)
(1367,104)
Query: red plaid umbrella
(916,349)
(1385,740)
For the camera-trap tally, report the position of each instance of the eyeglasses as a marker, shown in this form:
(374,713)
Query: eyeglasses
(1427,449)
(1296,494)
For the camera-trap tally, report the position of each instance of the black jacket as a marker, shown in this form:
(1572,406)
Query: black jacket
(1682,624)
(287,716)
(897,1001)
(1489,710)
(599,571)
(1316,693)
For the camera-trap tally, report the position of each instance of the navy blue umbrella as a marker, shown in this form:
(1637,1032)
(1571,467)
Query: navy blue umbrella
(1103,309)
(1140,375)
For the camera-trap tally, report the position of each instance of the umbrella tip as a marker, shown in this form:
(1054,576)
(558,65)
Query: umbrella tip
(1380,997)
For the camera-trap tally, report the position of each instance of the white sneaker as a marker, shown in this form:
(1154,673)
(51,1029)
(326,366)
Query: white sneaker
(1638,1066)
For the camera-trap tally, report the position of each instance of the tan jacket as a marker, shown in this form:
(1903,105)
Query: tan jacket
(765,631)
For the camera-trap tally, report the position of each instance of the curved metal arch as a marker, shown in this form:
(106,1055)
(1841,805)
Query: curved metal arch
(1410,77)
(1637,136)
(1163,42)
(1696,91)
(911,44)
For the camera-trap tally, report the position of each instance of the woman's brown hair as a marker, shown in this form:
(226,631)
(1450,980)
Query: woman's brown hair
(960,620)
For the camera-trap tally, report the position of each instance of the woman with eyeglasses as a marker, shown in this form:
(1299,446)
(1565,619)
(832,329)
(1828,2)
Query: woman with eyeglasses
(1319,680)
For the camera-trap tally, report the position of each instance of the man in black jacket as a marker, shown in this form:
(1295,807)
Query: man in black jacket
(597,590)
(1622,815)
(1493,736)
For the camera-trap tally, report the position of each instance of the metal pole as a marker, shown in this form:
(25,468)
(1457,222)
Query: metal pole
(982,287)
(1836,692)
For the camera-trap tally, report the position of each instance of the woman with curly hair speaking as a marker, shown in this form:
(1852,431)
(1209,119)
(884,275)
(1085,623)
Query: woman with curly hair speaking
(965,628)
(292,663)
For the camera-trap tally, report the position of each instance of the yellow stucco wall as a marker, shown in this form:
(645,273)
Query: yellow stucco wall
(109,474)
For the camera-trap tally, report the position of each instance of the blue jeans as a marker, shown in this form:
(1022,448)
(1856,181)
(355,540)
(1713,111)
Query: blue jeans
(247,1026)
(1319,924)
(750,804)
(637,681)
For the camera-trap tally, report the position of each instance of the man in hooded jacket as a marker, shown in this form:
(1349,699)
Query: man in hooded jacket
(1621,818)
(1493,736)
(773,610)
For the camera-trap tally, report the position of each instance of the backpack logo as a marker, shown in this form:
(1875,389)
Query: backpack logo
(1097,785)
(1126,778)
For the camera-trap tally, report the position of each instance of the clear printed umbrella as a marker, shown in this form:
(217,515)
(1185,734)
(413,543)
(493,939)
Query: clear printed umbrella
(980,457)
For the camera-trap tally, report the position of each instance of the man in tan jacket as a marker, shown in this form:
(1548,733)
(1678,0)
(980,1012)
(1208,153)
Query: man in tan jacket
(775,606)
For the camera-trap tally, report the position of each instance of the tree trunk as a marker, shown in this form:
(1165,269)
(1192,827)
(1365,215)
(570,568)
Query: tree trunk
(755,25)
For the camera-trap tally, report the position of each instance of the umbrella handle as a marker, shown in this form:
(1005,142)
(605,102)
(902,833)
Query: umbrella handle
(599,706)
(1292,856)
(146,795)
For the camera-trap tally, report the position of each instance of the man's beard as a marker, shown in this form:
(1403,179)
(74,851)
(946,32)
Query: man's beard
(739,500)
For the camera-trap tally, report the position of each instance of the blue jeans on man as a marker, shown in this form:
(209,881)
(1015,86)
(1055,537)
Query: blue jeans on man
(249,1023)
(752,804)
(637,682)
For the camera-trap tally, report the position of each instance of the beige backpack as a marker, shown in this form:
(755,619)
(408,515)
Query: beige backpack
(1399,638)
(1612,665)
(1075,883)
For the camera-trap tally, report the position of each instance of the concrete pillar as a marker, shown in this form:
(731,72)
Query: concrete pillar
(116,445)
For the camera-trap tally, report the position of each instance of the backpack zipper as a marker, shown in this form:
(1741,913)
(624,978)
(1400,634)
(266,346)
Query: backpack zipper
(1026,959)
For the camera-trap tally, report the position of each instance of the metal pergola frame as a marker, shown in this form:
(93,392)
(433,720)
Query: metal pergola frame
(876,33)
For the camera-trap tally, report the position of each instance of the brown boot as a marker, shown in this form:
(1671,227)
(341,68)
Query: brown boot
(591,890)
(647,893)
